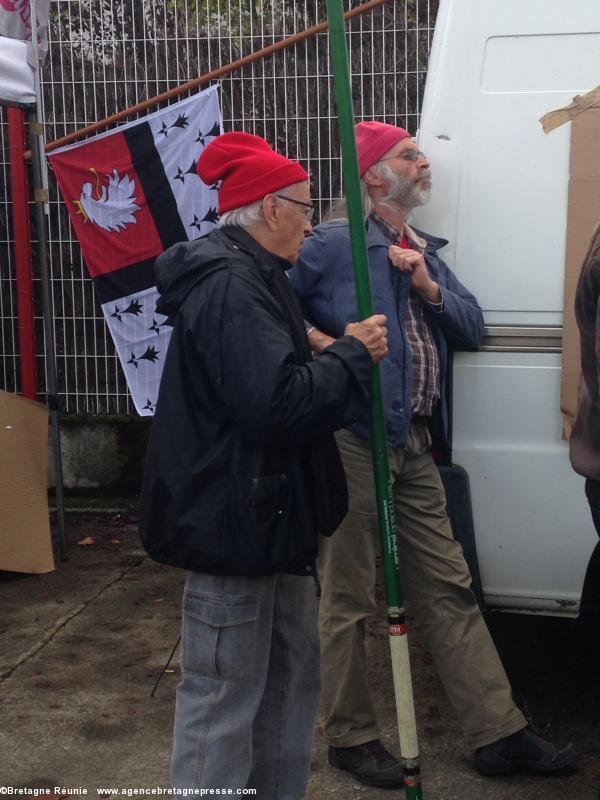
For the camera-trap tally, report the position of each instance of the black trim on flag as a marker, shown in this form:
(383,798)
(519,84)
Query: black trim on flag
(126,281)
(155,184)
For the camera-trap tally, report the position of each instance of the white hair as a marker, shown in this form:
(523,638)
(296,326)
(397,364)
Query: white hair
(246,216)
(339,208)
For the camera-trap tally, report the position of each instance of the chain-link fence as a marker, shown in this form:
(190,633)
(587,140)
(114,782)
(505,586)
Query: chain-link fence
(105,56)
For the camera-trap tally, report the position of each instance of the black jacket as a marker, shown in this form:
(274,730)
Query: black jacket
(241,469)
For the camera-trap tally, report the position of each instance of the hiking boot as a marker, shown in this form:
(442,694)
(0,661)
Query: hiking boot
(370,763)
(524,751)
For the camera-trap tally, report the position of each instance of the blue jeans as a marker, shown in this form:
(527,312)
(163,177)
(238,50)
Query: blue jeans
(246,707)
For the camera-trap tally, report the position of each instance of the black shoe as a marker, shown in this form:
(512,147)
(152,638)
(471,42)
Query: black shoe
(369,763)
(524,751)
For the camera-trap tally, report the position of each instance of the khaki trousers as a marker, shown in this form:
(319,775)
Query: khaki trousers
(436,583)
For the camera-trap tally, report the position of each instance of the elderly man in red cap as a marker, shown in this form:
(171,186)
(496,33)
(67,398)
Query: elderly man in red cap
(429,312)
(242,472)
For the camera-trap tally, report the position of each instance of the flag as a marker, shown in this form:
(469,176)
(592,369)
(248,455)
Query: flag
(131,193)
(16,22)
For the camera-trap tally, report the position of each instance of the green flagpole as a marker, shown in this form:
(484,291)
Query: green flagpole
(383,485)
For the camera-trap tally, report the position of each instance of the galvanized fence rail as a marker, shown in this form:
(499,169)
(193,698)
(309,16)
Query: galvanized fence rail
(106,55)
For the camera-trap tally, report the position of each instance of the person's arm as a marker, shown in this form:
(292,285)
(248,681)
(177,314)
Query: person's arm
(456,310)
(365,331)
(313,284)
(273,400)
(308,277)
(413,263)
(318,340)
(461,318)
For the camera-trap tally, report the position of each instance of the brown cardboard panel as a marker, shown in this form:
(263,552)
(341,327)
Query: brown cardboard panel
(583,216)
(581,102)
(585,152)
(25,540)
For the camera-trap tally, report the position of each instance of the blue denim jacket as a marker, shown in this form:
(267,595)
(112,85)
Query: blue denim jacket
(324,281)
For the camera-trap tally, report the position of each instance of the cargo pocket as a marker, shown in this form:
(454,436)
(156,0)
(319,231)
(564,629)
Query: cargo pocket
(218,635)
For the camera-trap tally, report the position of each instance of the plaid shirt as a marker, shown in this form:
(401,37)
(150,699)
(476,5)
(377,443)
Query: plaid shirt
(425,356)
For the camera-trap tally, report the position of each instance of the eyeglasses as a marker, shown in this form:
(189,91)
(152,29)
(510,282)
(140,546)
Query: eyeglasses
(309,209)
(408,155)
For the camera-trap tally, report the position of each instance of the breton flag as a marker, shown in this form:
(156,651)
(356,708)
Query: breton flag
(131,193)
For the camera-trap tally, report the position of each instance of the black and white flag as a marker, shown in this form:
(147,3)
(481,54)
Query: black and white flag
(131,193)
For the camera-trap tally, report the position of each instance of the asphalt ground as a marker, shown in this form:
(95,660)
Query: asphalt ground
(81,649)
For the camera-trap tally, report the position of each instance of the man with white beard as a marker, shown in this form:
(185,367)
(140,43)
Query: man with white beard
(429,313)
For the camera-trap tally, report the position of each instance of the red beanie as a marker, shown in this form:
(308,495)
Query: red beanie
(373,139)
(248,169)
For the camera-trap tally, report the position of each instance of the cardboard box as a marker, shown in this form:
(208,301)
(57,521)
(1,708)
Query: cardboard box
(25,538)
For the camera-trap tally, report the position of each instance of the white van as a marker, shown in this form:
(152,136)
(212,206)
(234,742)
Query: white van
(500,187)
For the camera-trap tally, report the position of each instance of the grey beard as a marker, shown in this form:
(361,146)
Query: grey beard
(403,192)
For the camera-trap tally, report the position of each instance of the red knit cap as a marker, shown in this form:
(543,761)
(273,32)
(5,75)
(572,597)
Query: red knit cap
(248,169)
(373,139)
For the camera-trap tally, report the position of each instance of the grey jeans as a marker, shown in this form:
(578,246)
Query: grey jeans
(436,582)
(246,707)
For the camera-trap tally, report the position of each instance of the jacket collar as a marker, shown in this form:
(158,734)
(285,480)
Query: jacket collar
(432,243)
(244,241)
(376,237)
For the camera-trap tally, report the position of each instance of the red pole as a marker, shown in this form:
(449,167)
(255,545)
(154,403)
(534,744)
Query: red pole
(22,234)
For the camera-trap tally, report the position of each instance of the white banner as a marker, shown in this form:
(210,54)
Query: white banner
(16,74)
(16,22)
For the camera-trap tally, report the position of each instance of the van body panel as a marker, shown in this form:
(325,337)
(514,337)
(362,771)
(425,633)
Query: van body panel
(500,196)
(533,529)
(496,68)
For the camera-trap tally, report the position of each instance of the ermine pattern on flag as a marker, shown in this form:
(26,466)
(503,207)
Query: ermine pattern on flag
(131,193)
